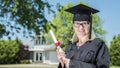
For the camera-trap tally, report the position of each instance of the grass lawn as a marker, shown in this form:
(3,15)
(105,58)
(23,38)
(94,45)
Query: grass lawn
(36,66)
(28,66)
(115,67)
(31,67)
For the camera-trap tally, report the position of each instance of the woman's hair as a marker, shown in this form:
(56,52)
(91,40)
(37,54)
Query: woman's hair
(75,38)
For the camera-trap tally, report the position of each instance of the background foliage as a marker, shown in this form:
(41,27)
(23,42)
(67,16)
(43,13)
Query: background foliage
(27,16)
(13,51)
(115,51)
(8,51)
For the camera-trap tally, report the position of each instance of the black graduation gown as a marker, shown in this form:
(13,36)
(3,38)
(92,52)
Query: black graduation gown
(92,54)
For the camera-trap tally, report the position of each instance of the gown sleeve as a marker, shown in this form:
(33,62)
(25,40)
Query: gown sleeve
(102,59)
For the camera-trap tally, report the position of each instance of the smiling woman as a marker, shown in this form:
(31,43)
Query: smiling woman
(84,52)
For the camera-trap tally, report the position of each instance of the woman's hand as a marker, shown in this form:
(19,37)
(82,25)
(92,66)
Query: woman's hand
(60,56)
(66,61)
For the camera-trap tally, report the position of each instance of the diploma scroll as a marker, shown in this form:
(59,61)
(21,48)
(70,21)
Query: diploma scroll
(57,43)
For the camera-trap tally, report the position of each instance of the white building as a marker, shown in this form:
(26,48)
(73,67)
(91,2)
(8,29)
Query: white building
(40,52)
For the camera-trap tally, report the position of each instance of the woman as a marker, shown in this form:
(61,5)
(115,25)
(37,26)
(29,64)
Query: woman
(85,51)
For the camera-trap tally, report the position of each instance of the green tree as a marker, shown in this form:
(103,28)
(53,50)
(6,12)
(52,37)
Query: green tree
(8,51)
(62,24)
(27,15)
(115,51)
(23,54)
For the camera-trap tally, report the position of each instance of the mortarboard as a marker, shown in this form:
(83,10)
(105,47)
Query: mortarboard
(82,12)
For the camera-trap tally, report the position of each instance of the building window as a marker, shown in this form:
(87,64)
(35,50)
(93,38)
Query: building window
(39,41)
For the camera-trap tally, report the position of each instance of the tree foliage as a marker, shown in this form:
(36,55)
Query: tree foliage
(63,28)
(13,51)
(23,53)
(115,51)
(8,51)
(27,15)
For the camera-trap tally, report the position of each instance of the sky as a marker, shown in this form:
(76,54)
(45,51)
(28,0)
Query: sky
(109,14)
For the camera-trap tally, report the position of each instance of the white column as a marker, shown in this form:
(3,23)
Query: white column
(38,56)
(43,57)
(34,57)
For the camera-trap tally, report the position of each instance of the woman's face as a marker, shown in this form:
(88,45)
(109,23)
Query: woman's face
(81,28)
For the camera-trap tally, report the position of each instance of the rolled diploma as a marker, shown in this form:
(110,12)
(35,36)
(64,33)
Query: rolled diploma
(53,36)
(55,40)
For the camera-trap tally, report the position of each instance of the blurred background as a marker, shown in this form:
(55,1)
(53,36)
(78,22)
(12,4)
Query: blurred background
(25,25)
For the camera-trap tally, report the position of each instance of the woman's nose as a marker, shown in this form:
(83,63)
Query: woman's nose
(81,26)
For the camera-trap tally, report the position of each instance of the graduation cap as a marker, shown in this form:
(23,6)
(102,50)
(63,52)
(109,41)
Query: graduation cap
(82,12)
